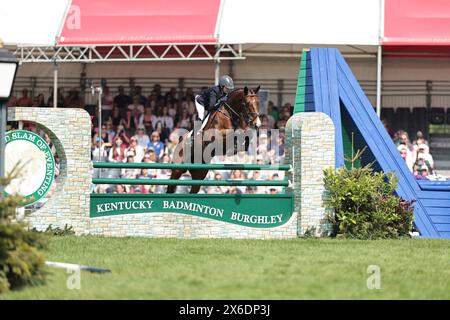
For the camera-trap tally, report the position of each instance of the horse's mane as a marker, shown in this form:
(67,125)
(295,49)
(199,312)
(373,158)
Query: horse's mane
(234,91)
(238,89)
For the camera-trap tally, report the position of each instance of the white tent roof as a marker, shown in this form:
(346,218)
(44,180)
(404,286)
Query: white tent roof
(31,22)
(353,22)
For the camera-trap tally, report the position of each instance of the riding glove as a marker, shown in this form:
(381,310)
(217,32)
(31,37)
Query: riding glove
(220,101)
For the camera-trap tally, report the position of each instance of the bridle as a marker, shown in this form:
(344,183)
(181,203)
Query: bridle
(249,117)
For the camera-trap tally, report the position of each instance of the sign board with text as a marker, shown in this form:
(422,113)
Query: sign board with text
(251,210)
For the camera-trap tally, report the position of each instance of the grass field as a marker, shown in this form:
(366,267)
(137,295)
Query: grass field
(243,269)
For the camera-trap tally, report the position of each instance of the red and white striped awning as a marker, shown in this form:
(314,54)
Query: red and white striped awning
(140,22)
(417,28)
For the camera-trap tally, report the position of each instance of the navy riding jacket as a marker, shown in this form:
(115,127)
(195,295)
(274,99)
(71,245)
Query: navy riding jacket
(210,96)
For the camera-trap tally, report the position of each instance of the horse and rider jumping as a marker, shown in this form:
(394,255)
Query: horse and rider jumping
(229,110)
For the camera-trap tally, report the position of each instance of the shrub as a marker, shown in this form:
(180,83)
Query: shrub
(365,205)
(20,260)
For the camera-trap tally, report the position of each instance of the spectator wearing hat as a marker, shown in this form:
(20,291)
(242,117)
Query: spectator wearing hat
(142,138)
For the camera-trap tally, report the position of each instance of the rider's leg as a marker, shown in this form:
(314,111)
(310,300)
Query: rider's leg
(200,110)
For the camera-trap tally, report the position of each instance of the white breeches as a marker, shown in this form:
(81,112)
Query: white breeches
(200,109)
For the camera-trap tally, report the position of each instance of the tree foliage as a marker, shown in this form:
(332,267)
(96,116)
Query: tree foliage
(20,260)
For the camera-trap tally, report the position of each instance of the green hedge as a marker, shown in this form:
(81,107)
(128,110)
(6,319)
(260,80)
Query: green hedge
(365,206)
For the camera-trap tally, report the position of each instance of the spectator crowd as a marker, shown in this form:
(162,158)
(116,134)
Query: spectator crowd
(416,154)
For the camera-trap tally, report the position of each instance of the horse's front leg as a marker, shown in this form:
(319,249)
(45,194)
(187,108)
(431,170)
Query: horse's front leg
(176,174)
(197,175)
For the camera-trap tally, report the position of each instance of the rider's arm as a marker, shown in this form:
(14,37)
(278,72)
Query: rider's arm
(213,94)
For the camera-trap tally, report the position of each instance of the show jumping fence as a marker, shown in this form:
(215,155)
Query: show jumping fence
(191,166)
(299,209)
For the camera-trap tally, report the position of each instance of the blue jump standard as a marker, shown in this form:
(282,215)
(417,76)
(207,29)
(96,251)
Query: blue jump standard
(337,93)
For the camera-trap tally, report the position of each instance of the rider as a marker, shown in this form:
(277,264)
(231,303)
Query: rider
(210,99)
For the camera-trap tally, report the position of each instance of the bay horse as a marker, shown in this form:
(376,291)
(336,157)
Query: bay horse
(239,111)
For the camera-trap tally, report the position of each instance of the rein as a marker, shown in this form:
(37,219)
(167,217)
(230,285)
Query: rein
(240,115)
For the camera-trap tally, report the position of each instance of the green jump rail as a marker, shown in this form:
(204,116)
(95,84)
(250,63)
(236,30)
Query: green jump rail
(252,183)
(189,166)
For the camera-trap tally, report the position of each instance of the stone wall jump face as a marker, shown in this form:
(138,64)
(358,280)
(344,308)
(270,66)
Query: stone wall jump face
(310,139)
(178,225)
(70,131)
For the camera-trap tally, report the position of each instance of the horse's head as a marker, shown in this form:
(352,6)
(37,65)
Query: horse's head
(251,100)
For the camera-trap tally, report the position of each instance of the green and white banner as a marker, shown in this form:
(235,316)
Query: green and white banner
(251,210)
(33,156)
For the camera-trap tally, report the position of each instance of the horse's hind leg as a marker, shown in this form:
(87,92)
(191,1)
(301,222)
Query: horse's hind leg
(176,174)
(197,175)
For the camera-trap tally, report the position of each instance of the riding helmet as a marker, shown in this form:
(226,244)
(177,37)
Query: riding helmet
(226,81)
